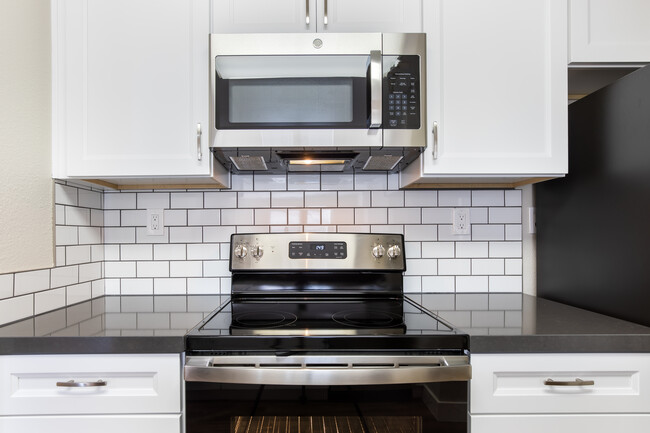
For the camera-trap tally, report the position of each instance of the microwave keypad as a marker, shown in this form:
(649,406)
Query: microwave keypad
(402,94)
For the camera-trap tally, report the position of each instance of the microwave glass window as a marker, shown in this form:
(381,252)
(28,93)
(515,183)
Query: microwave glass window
(267,92)
(291,100)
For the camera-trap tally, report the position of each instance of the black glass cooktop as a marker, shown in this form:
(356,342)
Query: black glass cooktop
(297,324)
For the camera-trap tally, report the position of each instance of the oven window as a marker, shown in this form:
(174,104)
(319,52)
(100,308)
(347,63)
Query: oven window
(413,408)
(293,92)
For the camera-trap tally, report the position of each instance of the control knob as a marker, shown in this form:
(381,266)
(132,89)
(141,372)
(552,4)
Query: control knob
(240,251)
(378,251)
(257,251)
(394,251)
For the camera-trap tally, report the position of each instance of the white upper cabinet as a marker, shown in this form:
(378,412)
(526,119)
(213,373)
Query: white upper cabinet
(609,31)
(288,16)
(496,92)
(130,89)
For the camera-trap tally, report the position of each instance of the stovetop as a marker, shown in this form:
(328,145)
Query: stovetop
(289,325)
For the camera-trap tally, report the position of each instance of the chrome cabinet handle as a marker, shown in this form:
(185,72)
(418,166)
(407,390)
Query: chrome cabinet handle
(307,12)
(73,384)
(435,140)
(577,382)
(375,89)
(199,155)
(325,14)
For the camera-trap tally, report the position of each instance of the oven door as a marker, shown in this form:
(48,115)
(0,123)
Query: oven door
(308,394)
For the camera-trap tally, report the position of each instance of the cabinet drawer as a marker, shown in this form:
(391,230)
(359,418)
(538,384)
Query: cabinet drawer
(35,385)
(516,383)
(594,423)
(94,424)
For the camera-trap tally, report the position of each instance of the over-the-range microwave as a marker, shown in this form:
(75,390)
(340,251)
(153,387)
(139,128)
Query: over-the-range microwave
(317,101)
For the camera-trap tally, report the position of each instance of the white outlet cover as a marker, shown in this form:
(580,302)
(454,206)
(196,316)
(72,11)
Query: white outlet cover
(152,228)
(461,221)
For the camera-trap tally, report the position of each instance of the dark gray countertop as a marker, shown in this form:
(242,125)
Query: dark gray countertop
(497,323)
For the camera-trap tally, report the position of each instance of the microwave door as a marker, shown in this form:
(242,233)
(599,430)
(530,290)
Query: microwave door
(298,92)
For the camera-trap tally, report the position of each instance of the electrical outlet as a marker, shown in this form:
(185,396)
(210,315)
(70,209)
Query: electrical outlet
(155,224)
(461,221)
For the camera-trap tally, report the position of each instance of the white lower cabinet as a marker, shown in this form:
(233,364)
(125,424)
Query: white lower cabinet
(100,393)
(560,392)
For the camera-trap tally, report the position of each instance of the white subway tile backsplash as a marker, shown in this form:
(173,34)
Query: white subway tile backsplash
(65,195)
(235,217)
(136,286)
(488,198)
(454,267)
(505,215)
(422,199)
(370,216)
(336,182)
(77,254)
(339,216)
(506,283)
(218,234)
(443,215)
(6,286)
(97,253)
(437,250)
(350,229)
(153,200)
(446,233)
(136,252)
(221,199)
(249,199)
(472,284)
(90,199)
(253,229)
(78,293)
(413,284)
(354,199)
(513,266)
(270,216)
(287,199)
(304,216)
(119,235)
(97,218)
(484,232)
(143,237)
(270,182)
(119,269)
(17,308)
(98,288)
(442,284)
(112,218)
(455,198)
(170,252)
(513,197)
(328,229)
(169,286)
(119,200)
(242,182)
(65,235)
(513,232)
(90,235)
(422,267)
(370,182)
(59,256)
(90,272)
(387,198)
(183,235)
(321,199)
(413,250)
(59,214)
(303,181)
(203,251)
(156,269)
(49,300)
(186,200)
(203,217)
(76,216)
(186,269)
(505,249)
(64,276)
(31,281)
(472,249)
(112,252)
(421,232)
(112,286)
(488,267)
(216,268)
(478,215)
(178,217)
(387,228)
(203,286)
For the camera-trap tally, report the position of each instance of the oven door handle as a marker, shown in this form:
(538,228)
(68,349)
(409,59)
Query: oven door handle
(327,371)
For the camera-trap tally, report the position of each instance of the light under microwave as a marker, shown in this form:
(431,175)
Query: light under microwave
(335,100)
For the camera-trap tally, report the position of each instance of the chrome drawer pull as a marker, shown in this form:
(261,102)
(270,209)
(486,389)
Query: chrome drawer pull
(577,382)
(73,384)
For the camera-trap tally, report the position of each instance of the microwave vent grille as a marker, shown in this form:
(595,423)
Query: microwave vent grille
(382,162)
(249,163)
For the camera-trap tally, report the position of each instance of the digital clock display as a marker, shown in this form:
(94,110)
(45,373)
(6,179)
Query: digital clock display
(318,250)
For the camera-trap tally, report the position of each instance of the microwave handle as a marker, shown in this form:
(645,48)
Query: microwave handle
(375,89)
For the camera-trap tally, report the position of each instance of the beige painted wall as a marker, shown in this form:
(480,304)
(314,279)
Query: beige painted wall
(26,187)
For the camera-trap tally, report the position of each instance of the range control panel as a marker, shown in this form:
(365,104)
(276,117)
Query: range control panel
(401,92)
(316,251)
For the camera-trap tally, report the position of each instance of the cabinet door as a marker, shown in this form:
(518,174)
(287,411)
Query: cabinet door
(496,89)
(595,423)
(398,16)
(609,31)
(94,424)
(263,16)
(130,87)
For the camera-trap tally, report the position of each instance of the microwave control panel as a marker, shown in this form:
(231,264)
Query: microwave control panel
(401,92)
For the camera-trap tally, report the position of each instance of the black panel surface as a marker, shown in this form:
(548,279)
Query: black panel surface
(593,227)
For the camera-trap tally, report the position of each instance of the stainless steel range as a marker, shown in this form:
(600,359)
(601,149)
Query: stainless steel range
(318,336)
